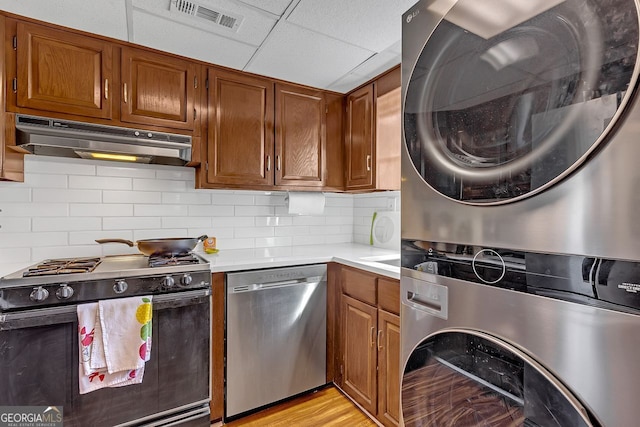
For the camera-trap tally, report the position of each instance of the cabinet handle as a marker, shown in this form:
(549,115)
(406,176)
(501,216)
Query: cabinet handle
(380,340)
(368,162)
(278,162)
(373,336)
(106,88)
(125,93)
(195,82)
(195,114)
(268,163)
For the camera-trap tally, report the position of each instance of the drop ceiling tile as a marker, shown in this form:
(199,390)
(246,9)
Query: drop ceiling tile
(255,26)
(377,64)
(189,41)
(371,24)
(277,7)
(347,83)
(106,17)
(298,55)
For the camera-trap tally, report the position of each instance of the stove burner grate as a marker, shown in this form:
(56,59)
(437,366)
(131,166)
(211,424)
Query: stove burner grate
(63,266)
(173,259)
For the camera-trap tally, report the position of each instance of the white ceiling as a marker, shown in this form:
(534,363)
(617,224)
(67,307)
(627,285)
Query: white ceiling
(330,44)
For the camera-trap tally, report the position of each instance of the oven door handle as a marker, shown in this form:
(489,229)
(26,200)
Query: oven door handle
(68,313)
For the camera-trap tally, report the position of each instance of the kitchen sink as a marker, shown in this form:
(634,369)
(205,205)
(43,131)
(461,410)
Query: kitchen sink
(394,262)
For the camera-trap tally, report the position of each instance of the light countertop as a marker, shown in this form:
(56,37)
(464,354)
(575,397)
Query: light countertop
(355,255)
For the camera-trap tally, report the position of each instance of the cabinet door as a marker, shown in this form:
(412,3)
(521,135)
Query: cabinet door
(388,131)
(300,136)
(63,72)
(359,352)
(388,368)
(157,89)
(359,139)
(240,135)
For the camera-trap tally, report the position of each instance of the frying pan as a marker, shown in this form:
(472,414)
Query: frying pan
(170,246)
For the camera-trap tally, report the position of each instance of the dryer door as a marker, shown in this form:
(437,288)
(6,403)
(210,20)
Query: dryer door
(468,378)
(508,97)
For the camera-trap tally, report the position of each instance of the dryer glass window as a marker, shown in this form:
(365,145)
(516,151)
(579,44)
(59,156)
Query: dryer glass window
(469,379)
(503,105)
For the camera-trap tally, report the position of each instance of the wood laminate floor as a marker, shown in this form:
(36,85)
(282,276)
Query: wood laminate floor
(327,407)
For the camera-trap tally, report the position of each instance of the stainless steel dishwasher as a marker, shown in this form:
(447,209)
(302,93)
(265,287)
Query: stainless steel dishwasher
(276,335)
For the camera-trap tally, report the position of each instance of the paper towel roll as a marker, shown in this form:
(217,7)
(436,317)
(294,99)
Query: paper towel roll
(305,203)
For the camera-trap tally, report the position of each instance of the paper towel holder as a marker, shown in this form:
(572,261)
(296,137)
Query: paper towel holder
(305,202)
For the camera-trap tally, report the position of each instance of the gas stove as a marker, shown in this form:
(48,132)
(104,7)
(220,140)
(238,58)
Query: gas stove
(77,280)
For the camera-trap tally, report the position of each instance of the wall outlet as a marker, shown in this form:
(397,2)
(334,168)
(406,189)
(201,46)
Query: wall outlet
(391,203)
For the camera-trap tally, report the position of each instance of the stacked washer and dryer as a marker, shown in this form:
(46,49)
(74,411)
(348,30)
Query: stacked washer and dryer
(520,213)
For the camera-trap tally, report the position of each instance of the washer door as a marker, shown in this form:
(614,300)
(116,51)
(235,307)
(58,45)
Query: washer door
(508,97)
(468,378)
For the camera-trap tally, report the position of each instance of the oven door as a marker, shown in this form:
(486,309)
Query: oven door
(469,378)
(500,106)
(39,353)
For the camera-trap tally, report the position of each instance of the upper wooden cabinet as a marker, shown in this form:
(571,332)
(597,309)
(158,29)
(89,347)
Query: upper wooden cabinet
(300,136)
(158,89)
(373,135)
(266,134)
(359,139)
(62,72)
(240,133)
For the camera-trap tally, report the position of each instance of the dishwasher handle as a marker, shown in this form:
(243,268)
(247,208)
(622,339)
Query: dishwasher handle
(281,284)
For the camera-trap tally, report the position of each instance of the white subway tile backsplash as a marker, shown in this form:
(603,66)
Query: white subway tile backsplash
(15,194)
(267,242)
(89,237)
(63,166)
(175,173)
(66,195)
(211,210)
(38,180)
(140,184)
(100,182)
(10,255)
(54,252)
(65,204)
(109,196)
(131,223)
(254,232)
(15,225)
(254,211)
(33,209)
(131,171)
(189,222)
(192,198)
(232,199)
(273,221)
(100,209)
(28,239)
(66,224)
(160,210)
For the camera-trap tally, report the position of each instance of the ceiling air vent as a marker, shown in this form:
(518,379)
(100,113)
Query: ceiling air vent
(230,21)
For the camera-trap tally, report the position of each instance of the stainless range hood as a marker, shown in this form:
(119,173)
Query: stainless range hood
(65,138)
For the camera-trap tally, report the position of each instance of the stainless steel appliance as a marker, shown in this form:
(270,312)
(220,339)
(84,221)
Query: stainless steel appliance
(520,127)
(39,339)
(519,239)
(66,138)
(494,337)
(276,335)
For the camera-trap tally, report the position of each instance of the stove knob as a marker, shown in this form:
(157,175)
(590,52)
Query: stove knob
(120,286)
(168,282)
(186,279)
(64,292)
(39,294)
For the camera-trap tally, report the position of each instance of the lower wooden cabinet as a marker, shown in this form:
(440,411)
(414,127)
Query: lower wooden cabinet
(217,346)
(368,333)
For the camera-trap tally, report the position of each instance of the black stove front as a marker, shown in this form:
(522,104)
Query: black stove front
(40,354)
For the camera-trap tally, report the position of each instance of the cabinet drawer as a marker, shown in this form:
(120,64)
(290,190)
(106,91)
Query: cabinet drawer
(359,285)
(389,295)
